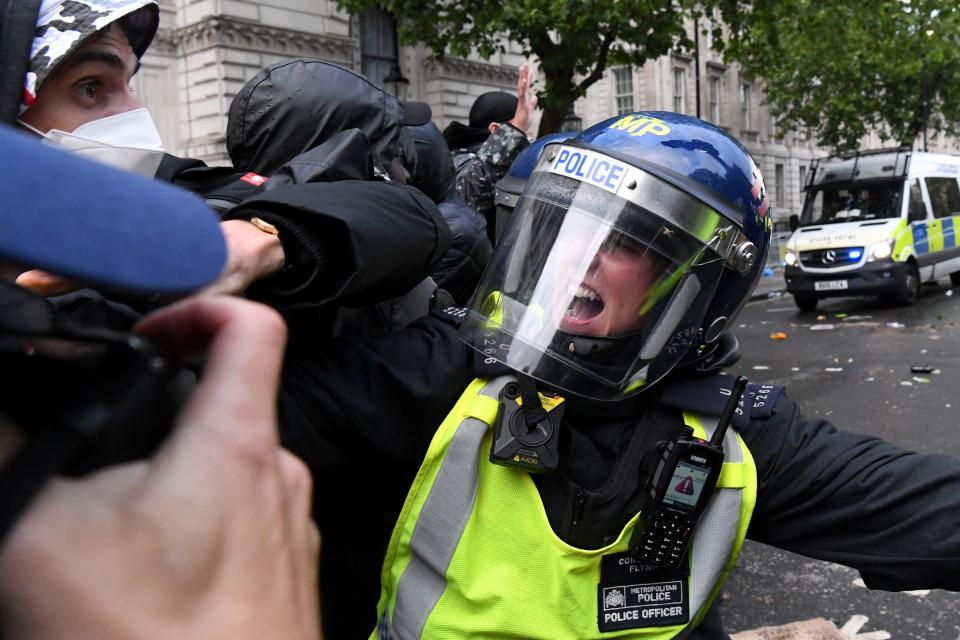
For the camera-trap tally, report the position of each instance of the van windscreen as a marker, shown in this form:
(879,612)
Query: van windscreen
(852,201)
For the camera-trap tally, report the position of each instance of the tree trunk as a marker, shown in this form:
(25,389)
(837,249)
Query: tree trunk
(551,119)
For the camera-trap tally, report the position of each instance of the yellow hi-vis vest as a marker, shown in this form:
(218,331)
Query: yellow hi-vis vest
(473,554)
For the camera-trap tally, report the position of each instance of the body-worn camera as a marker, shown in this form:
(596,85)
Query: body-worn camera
(526,438)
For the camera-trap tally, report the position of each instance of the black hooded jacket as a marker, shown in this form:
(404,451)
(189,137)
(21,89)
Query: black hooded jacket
(332,216)
(295,105)
(470,248)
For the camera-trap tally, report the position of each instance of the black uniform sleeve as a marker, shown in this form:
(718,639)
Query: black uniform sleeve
(892,514)
(354,405)
(363,241)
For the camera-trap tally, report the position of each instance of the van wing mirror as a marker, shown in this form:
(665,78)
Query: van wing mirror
(793,221)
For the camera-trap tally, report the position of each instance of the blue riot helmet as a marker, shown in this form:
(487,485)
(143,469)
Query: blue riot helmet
(631,248)
(511,185)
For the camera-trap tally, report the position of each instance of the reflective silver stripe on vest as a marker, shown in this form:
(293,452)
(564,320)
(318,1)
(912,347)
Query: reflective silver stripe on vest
(442,520)
(717,530)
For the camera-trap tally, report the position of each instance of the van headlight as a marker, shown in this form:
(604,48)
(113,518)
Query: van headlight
(880,251)
(790,258)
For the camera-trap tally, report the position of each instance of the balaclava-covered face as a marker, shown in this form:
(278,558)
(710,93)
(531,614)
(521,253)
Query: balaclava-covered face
(62,25)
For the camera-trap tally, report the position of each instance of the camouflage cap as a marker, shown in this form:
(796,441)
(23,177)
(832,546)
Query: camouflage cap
(63,24)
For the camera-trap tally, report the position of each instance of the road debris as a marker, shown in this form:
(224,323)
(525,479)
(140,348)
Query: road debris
(780,335)
(921,368)
(833,369)
(821,327)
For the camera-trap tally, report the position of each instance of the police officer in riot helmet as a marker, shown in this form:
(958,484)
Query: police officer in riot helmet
(595,463)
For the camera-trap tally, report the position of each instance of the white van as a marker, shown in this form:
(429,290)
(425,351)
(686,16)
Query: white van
(875,223)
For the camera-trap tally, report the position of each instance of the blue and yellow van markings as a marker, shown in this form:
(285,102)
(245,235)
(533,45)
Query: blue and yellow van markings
(949,233)
(921,241)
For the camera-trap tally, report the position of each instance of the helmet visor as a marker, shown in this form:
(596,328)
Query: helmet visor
(590,292)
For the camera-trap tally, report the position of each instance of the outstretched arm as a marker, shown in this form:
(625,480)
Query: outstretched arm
(892,514)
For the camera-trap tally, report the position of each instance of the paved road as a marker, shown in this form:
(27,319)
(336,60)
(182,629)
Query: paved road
(857,374)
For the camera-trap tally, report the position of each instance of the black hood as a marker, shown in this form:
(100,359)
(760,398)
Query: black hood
(294,105)
(460,136)
(433,172)
(18,21)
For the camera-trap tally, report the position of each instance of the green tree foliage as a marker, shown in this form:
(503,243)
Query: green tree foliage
(842,68)
(573,41)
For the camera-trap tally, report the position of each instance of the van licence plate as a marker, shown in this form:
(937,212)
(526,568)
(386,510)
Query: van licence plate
(830,285)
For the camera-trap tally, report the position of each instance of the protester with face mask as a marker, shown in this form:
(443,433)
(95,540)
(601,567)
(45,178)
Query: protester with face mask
(484,149)
(297,247)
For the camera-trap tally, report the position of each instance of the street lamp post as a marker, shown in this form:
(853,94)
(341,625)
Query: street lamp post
(396,83)
(571,121)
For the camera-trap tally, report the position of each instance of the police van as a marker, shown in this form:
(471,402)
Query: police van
(875,223)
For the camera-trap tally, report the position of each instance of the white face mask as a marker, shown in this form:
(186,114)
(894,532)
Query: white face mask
(128,141)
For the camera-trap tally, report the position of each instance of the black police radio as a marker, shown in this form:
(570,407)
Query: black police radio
(687,472)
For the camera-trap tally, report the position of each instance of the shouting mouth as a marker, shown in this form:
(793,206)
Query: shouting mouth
(585,306)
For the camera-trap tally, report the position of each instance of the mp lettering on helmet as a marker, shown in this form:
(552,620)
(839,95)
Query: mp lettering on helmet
(638,125)
(587,166)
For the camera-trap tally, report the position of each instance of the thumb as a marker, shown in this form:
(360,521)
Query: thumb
(243,342)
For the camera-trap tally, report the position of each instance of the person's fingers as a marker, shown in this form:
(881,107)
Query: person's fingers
(236,397)
(304,535)
(45,284)
(298,493)
(523,81)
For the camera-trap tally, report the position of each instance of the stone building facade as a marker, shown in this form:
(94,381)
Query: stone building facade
(207,49)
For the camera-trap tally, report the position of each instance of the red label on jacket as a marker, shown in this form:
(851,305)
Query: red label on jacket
(254,179)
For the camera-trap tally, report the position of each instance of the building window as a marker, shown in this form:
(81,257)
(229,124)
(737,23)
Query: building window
(378,44)
(944,196)
(623,89)
(679,90)
(916,209)
(746,117)
(781,186)
(714,100)
(803,178)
